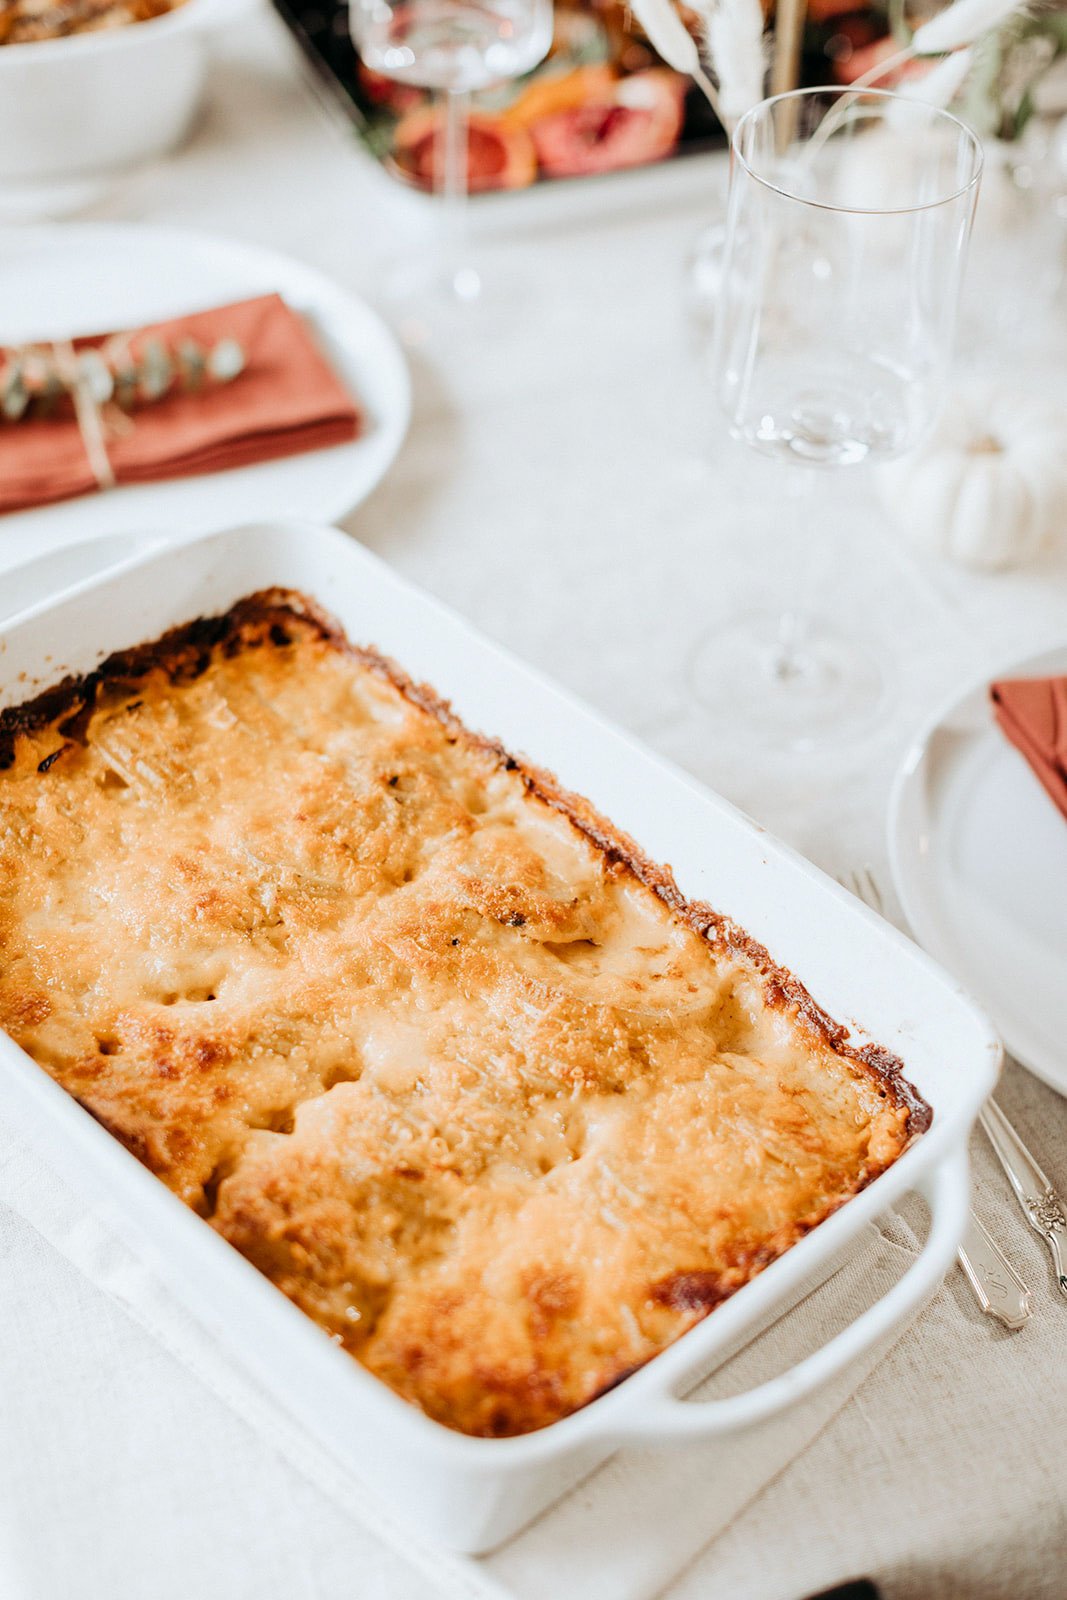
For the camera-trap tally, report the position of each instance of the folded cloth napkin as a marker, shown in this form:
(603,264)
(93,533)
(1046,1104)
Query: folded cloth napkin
(622,1535)
(287,399)
(1033,714)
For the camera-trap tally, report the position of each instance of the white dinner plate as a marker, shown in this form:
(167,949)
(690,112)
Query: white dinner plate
(979,857)
(71,279)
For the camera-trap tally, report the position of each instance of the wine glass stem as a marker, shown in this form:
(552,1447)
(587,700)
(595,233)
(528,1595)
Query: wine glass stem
(789,650)
(790,658)
(451,174)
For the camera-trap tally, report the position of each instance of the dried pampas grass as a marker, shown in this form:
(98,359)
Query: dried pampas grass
(735,45)
(731,39)
(956,28)
(938,87)
(731,33)
(961,24)
(671,39)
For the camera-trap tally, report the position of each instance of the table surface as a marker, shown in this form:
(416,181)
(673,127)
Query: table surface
(566,486)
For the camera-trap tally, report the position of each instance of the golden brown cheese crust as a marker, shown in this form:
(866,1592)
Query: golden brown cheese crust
(434,1047)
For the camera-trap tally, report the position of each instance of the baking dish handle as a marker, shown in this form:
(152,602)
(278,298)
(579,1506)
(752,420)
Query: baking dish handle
(947,1194)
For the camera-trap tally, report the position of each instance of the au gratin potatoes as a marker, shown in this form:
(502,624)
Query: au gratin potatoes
(422,1036)
(29,21)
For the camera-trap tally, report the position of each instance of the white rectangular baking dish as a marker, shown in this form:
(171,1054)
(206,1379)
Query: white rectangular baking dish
(466,1493)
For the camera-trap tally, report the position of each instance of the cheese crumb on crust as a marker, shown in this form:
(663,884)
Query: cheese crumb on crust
(436,1049)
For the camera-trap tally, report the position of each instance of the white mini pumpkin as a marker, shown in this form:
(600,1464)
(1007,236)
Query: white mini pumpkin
(989,487)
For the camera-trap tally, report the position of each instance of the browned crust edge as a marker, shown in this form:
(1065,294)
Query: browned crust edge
(185,652)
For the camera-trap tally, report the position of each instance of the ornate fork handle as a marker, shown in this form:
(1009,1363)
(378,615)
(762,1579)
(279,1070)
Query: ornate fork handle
(1047,1218)
(1042,1207)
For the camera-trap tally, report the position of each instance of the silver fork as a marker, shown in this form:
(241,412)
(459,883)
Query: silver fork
(1041,1205)
(1000,1291)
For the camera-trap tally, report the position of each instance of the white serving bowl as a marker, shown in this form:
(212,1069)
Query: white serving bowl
(93,103)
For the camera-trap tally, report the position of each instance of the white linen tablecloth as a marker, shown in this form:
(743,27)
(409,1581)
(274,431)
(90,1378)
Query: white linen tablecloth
(567,487)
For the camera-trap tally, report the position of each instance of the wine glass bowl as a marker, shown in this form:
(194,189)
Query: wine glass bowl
(847,225)
(453,45)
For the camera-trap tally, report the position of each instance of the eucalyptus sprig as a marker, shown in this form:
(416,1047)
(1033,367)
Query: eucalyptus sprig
(36,378)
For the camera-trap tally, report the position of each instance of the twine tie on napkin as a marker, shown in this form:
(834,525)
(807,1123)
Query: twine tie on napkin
(103,383)
(87,411)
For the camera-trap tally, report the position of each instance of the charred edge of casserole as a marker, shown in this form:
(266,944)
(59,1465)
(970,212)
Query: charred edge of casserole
(185,653)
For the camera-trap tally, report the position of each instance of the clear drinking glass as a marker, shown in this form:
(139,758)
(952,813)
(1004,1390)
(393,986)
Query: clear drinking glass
(453,47)
(847,226)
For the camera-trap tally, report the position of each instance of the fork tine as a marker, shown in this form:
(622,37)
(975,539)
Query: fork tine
(873,894)
(861,882)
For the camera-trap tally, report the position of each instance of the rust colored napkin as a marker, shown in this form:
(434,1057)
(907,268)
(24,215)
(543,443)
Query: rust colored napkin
(1033,714)
(286,400)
